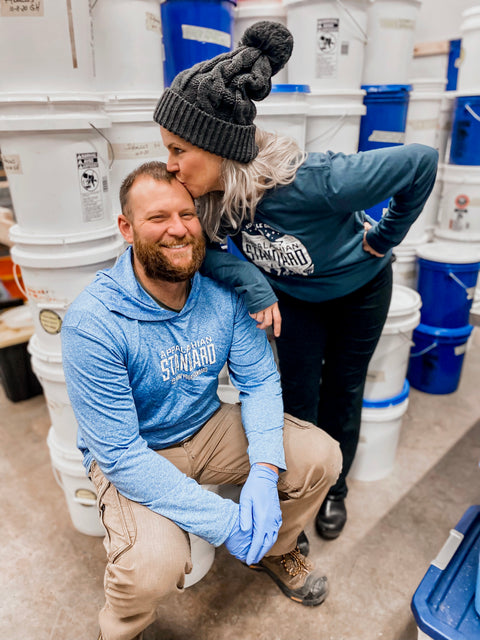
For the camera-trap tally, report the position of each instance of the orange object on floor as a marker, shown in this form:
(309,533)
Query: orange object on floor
(8,279)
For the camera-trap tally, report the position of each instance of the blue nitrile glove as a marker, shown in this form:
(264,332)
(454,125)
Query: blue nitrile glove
(238,542)
(260,510)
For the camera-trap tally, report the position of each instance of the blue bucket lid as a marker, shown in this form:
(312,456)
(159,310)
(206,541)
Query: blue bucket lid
(445,334)
(389,402)
(387,88)
(290,88)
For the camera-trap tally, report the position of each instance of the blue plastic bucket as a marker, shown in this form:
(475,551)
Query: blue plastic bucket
(446,283)
(194,30)
(453,64)
(384,123)
(436,359)
(465,142)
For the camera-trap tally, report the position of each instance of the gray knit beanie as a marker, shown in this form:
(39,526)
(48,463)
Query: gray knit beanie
(210,105)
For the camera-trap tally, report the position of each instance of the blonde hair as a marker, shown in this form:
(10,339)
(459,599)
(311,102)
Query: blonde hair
(277,162)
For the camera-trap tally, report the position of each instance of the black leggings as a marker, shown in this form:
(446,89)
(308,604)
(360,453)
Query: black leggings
(324,351)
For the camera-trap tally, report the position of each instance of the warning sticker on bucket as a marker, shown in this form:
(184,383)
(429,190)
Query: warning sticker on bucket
(327,48)
(11,163)
(91,186)
(17,8)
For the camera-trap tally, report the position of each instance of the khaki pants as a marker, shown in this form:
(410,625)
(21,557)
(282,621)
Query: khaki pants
(148,555)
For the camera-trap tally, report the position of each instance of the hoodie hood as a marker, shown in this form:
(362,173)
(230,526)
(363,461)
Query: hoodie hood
(119,291)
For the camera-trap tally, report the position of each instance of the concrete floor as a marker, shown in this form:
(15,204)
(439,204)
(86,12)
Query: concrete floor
(51,585)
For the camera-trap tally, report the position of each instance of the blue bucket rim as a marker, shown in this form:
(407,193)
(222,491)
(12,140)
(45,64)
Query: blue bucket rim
(444,333)
(290,88)
(389,402)
(448,266)
(386,88)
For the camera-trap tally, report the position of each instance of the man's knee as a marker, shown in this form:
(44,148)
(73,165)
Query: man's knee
(313,457)
(142,578)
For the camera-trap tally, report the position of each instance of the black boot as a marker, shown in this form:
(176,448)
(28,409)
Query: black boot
(303,544)
(331,517)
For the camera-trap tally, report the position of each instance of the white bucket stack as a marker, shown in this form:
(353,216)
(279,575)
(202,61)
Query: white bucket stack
(55,154)
(129,60)
(386,389)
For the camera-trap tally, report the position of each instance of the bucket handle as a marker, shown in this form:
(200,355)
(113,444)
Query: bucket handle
(57,477)
(110,147)
(424,351)
(354,20)
(472,112)
(336,126)
(17,280)
(459,282)
(85,502)
(407,339)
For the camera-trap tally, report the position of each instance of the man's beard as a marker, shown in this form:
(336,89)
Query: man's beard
(158,267)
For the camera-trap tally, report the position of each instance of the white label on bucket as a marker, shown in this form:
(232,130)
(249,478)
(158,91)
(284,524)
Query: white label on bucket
(396,137)
(24,8)
(153,22)
(460,349)
(132,150)
(470,293)
(397,23)
(327,48)
(12,164)
(376,376)
(419,125)
(205,34)
(91,185)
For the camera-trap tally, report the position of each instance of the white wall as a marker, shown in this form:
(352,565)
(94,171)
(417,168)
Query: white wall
(441,19)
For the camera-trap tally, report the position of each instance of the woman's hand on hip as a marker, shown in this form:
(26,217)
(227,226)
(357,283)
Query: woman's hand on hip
(269,317)
(366,246)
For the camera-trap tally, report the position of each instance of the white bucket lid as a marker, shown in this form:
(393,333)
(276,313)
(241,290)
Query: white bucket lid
(429,84)
(403,313)
(18,235)
(51,112)
(25,257)
(35,349)
(449,253)
(260,9)
(456,236)
(460,174)
(125,108)
(383,414)
(67,460)
(416,2)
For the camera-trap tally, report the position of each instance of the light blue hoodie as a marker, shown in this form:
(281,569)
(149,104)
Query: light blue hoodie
(141,378)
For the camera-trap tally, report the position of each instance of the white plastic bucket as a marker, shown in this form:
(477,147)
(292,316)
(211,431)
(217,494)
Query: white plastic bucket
(423,113)
(404,268)
(247,13)
(53,280)
(56,161)
(134,138)
(445,121)
(79,490)
(128,46)
(459,210)
(388,367)
(46,46)
(333,120)
(389,50)
(379,434)
(284,111)
(330,37)
(203,553)
(468,79)
(49,371)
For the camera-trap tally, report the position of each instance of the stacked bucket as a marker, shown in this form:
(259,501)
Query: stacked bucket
(459,212)
(387,389)
(448,267)
(72,125)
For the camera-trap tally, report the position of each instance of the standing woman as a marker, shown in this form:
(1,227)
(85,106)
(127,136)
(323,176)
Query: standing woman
(323,274)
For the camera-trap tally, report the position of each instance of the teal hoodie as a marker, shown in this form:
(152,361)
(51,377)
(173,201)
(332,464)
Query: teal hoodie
(306,237)
(141,378)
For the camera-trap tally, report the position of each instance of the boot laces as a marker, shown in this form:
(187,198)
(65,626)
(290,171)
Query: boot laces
(294,562)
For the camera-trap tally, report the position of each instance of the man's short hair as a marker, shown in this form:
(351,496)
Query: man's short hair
(154,169)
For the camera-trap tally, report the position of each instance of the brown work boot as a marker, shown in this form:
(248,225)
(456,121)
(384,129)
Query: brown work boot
(296,576)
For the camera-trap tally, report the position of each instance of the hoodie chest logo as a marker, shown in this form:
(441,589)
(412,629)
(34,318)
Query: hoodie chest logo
(275,252)
(187,362)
